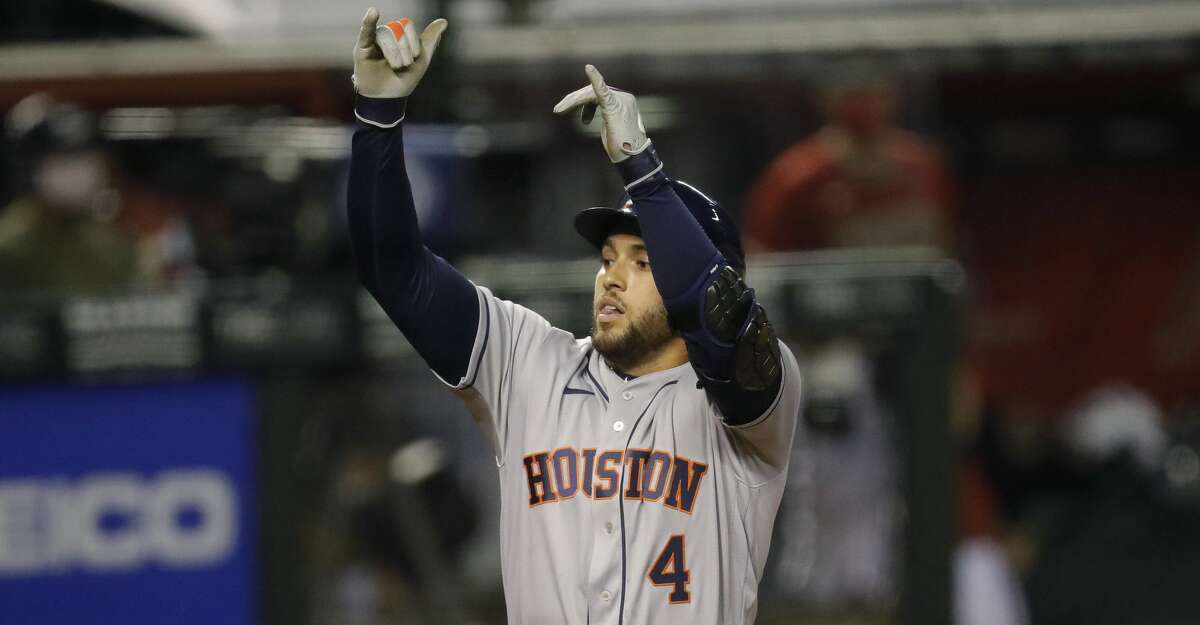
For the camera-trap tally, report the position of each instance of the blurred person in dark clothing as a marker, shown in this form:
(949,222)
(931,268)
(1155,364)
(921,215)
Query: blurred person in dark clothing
(396,526)
(1117,548)
(1090,513)
(859,181)
(60,233)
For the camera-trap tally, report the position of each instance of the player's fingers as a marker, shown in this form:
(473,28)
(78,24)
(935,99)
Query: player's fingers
(390,38)
(432,36)
(366,34)
(604,96)
(404,32)
(580,96)
(412,40)
(405,54)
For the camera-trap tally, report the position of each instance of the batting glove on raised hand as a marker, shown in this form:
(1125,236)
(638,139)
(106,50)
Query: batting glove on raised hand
(391,68)
(623,133)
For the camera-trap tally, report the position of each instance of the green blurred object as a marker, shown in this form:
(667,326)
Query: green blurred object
(40,249)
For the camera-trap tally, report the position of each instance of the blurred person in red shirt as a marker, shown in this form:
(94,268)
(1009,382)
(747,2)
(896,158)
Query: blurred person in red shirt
(859,181)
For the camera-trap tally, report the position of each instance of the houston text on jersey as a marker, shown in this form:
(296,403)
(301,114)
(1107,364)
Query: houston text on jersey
(650,475)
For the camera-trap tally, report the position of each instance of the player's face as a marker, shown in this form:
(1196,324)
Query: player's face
(629,321)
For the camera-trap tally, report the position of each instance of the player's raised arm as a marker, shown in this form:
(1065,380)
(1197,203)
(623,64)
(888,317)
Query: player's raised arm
(730,343)
(435,307)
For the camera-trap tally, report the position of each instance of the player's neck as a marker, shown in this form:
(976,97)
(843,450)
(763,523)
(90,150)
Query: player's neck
(673,354)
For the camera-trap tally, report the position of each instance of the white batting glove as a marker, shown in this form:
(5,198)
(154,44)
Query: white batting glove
(623,133)
(390,66)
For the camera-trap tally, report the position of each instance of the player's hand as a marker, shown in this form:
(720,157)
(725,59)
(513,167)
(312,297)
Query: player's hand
(396,73)
(623,133)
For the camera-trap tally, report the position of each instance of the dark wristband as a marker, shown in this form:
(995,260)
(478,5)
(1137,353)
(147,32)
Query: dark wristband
(640,167)
(379,112)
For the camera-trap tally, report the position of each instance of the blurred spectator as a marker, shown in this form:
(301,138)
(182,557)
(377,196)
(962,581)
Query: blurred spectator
(837,522)
(859,181)
(395,522)
(1116,419)
(986,590)
(1110,551)
(60,232)
(157,222)
(77,222)
(991,554)
(1089,521)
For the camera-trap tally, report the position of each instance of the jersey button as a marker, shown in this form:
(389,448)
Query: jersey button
(627,396)
(605,596)
(618,426)
(608,527)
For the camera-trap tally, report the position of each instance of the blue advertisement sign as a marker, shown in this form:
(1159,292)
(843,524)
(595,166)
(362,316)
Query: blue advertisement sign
(128,504)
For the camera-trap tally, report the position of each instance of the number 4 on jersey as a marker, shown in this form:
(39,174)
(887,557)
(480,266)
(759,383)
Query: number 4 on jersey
(670,569)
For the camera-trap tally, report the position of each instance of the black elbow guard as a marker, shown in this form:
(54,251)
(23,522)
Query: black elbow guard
(732,315)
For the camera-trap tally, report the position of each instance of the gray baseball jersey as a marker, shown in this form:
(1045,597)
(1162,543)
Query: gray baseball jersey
(622,501)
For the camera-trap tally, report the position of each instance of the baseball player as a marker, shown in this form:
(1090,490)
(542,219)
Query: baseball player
(640,468)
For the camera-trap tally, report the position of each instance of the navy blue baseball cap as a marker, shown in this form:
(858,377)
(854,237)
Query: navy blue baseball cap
(597,223)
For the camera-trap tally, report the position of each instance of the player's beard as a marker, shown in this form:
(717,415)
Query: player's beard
(641,339)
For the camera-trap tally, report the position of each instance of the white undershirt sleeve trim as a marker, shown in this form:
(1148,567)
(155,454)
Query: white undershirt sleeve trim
(644,178)
(377,124)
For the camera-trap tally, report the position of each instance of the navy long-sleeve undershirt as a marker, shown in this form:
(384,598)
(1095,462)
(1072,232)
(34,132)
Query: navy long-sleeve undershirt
(684,261)
(681,255)
(434,305)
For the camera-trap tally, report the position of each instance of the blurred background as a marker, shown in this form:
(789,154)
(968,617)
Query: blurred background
(976,222)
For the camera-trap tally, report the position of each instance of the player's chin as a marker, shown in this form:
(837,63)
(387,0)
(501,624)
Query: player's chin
(610,329)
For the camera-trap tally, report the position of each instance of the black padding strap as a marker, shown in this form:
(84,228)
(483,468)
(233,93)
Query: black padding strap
(727,303)
(757,359)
